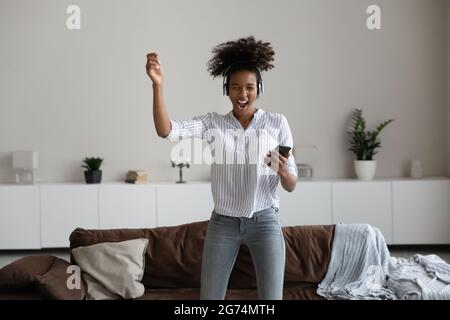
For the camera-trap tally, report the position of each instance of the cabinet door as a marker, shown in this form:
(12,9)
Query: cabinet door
(421,212)
(179,204)
(364,202)
(19,217)
(308,204)
(127,206)
(63,209)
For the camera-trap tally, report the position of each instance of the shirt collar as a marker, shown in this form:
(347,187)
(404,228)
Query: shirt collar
(258,114)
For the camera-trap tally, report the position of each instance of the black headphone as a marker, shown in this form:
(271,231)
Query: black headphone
(260,84)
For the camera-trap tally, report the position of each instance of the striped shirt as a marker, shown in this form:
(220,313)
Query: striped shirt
(241,182)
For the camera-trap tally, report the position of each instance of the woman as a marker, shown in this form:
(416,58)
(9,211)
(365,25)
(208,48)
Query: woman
(246,169)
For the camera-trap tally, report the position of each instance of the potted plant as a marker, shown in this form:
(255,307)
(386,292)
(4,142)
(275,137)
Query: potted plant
(364,144)
(93,174)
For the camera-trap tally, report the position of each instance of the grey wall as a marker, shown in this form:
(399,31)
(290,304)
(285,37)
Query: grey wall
(448,82)
(71,94)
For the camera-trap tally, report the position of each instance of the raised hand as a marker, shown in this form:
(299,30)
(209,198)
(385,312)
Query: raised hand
(154,68)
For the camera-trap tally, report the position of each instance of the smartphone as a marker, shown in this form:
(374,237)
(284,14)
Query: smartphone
(283,150)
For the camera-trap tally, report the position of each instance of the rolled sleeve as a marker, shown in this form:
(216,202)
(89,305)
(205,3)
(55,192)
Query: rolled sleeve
(174,131)
(195,128)
(291,165)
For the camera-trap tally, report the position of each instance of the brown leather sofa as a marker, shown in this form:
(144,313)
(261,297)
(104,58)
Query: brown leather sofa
(173,264)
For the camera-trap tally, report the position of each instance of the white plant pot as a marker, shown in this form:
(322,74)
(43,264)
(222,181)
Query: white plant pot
(365,169)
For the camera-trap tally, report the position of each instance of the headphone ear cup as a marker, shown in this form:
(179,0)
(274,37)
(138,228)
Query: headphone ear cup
(260,83)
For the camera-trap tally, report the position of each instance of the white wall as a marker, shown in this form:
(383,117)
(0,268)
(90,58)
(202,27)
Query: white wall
(71,94)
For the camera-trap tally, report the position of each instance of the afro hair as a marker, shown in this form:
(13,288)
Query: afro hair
(246,51)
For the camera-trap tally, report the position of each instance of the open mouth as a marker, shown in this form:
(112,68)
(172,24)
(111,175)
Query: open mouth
(242,103)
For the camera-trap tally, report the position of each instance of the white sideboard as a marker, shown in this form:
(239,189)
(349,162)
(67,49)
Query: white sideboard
(62,208)
(309,203)
(364,202)
(421,212)
(43,215)
(183,203)
(19,217)
(127,206)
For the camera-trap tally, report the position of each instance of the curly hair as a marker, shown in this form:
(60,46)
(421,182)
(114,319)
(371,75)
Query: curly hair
(247,52)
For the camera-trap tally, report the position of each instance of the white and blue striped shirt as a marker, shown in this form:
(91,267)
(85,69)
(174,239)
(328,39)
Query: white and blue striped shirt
(241,182)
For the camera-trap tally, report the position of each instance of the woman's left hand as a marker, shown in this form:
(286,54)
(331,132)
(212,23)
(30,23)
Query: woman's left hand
(277,162)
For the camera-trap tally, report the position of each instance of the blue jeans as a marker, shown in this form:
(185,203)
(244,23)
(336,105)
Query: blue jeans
(262,235)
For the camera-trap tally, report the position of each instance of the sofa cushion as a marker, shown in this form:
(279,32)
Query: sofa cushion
(308,252)
(97,291)
(53,283)
(21,274)
(118,266)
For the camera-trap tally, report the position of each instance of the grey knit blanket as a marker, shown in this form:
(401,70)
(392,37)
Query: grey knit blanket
(361,268)
(419,277)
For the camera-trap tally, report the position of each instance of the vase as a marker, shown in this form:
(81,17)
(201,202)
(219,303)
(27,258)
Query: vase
(416,169)
(365,169)
(93,176)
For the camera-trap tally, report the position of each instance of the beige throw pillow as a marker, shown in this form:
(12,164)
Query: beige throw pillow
(118,266)
(96,291)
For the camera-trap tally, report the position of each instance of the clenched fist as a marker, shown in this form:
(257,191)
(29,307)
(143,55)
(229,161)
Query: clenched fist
(154,68)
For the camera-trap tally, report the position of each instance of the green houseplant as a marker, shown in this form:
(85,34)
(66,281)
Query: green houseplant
(93,174)
(364,143)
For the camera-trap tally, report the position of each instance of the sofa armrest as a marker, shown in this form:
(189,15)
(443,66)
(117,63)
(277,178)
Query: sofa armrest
(20,274)
(45,274)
